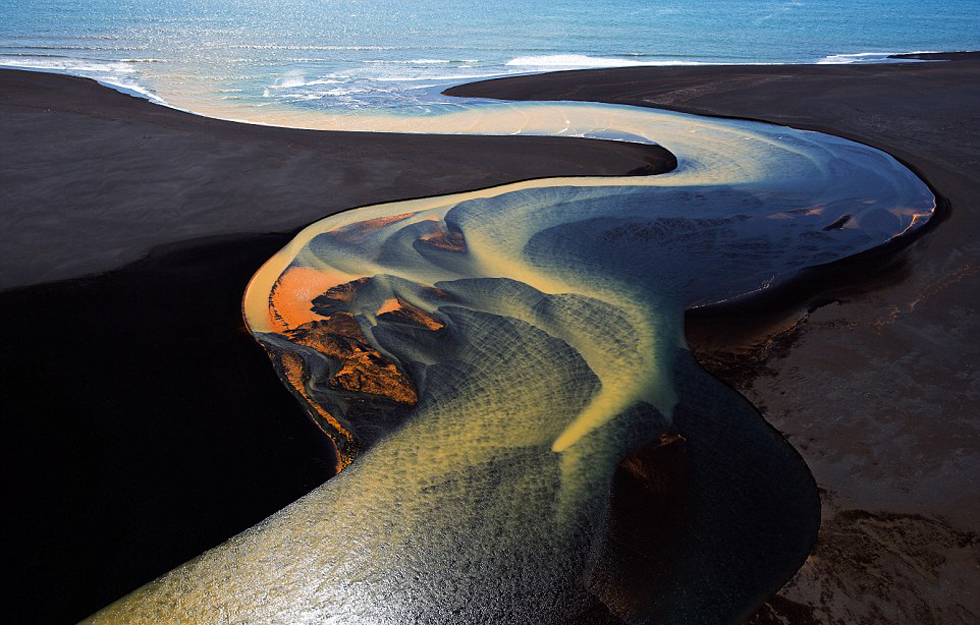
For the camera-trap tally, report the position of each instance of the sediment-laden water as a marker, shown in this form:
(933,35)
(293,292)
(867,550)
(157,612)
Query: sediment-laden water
(523,433)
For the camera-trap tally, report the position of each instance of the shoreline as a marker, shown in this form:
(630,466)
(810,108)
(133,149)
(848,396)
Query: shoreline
(159,265)
(141,91)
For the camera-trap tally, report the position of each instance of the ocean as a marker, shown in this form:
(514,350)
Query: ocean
(344,55)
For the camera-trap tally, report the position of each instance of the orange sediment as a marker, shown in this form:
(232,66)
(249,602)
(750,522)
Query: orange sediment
(397,309)
(290,302)
(356,232)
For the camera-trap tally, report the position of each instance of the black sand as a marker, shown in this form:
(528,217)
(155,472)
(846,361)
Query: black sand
(93,179)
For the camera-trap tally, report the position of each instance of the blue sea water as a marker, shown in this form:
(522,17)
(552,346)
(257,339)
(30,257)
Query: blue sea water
(352,54)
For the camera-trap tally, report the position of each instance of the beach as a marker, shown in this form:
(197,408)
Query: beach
(872,380)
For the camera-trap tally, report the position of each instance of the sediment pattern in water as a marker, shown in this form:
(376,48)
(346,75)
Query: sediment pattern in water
(524,435)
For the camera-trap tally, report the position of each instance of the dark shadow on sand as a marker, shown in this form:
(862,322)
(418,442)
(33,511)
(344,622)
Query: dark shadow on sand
(143,425)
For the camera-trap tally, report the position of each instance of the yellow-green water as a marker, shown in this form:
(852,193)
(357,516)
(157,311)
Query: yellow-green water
(551,347)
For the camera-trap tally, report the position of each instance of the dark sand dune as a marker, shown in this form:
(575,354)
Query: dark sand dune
(872,371)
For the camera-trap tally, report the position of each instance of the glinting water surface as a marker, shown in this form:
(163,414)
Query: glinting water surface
(355,54)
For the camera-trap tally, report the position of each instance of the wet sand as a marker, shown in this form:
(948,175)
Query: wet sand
(871,370)
(119,482)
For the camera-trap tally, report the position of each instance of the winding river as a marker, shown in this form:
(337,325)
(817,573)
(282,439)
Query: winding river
(523,432)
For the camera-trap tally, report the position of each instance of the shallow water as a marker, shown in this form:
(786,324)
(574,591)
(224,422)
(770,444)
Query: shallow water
(485,361)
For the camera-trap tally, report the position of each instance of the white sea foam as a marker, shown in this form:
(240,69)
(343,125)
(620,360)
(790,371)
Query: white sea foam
(420,61)
(865,57)
(437,77)
(117,75)
(279,47)
(69,65)
(567,61)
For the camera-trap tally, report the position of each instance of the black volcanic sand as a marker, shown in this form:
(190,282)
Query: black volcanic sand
(143,424)
(93,179)
(871,367)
